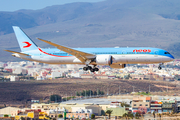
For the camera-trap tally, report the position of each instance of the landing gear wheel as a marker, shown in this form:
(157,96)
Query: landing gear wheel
(96,69)
(92,70)
(89,68)
(85,68)
(159,67)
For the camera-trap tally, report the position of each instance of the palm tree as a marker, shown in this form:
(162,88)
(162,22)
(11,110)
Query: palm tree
(154,114)
(125,115)
(109,113)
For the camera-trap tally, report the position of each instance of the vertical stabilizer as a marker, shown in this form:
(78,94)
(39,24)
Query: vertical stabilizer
(25,43)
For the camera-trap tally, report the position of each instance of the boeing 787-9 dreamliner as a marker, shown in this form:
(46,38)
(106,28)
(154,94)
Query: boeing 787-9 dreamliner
(90,57)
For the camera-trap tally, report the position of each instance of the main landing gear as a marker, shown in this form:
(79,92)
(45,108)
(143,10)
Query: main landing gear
(90,68)
(160,66)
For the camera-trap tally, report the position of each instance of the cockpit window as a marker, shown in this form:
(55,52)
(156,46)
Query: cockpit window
(166,53)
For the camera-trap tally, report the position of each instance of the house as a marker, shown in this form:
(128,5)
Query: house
(104,106)
(93,109)
(141,103)
(78,115)
(11,111)
(99,76)
(178,106)
(54,112)
(119,111)
(45,107)
(31,114)
(169,106)
(137,77)
(14,78)
(116,108)
(90,76)
(156,107)
(6,118)
(70,107)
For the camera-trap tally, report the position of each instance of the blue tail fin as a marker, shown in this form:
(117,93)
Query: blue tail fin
(25,43)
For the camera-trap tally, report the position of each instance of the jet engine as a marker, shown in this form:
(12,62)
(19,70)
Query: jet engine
(118,66)
(103,59)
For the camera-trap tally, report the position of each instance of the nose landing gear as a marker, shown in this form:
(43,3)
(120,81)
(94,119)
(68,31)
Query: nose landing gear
(160,66)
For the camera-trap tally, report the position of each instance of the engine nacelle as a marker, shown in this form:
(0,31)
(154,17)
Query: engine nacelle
(103,59)
(118,66)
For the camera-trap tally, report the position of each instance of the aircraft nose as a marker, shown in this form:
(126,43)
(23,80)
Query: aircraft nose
(172,57)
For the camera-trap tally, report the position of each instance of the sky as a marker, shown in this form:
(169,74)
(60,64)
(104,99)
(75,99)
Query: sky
(13,5)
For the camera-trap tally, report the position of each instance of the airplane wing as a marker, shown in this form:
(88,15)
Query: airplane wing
(82,56)
(17,52)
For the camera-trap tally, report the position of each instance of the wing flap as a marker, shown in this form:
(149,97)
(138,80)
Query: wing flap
(17,52)
(82,56)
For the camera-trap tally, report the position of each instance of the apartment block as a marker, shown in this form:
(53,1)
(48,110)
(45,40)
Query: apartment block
(141,103)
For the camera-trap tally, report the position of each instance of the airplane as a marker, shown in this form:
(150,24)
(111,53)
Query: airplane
(116,57)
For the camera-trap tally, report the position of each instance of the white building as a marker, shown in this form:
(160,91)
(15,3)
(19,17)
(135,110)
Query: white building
(55,74)
(19,71)
(14,78)
(75,75)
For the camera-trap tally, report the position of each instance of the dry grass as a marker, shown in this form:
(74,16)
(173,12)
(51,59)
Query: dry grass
(19,92)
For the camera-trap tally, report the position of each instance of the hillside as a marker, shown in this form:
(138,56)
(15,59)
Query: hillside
(153,23)
(20,92)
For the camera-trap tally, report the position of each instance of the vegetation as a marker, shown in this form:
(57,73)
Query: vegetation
(68,98)
(92,116)
(143,93)
(103,113)
(89,93)
(60,116)
(124,104)
(154,114)
(127,76)
(125,115)
(137,115)
(22,118)
(129,115)
(55,98)
(6,115)
(160,115)
(109,113)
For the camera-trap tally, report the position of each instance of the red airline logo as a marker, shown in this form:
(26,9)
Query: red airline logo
(140,50)
(27,44)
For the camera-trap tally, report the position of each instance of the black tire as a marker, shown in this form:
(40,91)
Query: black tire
(96,69)
(159,67)
(85,68)
(89,68)
(92,70)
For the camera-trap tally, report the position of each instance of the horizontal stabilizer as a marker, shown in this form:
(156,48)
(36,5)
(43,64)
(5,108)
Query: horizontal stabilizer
(17,52)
